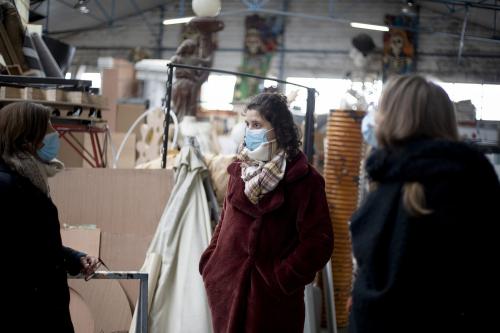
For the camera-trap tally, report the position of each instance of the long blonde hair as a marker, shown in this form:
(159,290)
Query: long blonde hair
(413,107)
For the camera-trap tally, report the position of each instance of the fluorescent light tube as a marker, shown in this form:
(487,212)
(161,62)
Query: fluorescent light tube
(369,26)
(178,20)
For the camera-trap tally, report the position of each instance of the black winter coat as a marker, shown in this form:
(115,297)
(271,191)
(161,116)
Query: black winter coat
(37,294)
(433,273)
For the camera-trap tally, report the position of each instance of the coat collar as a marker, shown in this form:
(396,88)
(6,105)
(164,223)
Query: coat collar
(295,169)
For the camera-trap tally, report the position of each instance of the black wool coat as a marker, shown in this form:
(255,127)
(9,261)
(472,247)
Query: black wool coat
(434,273)
(35,263)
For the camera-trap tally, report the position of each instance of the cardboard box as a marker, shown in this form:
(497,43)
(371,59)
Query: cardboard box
(72,159)
(118,81)
(127,156)
(13,93)
(126,115)
(82,239)
(77,97)
(99,101)
(54,95)
(36,94)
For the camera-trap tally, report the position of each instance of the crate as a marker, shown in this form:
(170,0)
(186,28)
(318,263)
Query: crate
(99,101)
(36,94)
(13,93)
(77,97)
(54,95)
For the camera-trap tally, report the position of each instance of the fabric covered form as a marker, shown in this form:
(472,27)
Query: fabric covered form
(179,302)
(12,36)
(31,56)
(50,66)
(63,53)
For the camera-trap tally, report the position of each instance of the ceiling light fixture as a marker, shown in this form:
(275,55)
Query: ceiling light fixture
(178,20)
(82,6)
(369,26)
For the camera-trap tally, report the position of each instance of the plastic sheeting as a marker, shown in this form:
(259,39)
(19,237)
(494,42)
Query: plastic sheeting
(179,302)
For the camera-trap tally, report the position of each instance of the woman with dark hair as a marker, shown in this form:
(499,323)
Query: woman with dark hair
(274,233)
(425,238)
(37,294)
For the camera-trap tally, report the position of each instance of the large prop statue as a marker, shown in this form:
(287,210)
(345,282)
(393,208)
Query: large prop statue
(196,51)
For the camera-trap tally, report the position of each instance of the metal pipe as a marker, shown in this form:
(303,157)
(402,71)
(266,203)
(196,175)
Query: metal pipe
(47,11)
(309,124)
(236,73)
(281,73)
(142,323)
(461,44)
(168,99)
(309,119)
(331,315)
(182,9)
(113,9)
(330,8)
(305,16)
(495,21)
(161,27)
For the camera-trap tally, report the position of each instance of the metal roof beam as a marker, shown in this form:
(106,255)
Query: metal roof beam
(141,13)
(471,4)
(88,14)
(104,12)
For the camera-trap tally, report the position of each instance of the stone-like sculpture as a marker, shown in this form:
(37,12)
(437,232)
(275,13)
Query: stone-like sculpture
(197,51)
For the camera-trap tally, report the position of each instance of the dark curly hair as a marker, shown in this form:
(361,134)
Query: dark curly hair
(274,108)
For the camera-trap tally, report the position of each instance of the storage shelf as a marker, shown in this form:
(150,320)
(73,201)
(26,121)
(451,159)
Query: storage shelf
(55,103)
(30,81)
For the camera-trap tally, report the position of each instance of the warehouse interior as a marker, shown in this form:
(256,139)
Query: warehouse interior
(146,136)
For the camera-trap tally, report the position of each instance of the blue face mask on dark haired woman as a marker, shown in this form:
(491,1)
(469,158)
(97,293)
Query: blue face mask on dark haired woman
(368,130)
(255,137)
(50,148)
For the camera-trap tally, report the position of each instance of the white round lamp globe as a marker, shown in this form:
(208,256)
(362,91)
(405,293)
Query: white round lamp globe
(206,7)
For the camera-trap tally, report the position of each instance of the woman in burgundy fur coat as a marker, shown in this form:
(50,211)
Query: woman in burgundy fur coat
(274,233)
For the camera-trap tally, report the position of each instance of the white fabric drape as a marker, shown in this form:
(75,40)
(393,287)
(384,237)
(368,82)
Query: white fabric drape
(179,301)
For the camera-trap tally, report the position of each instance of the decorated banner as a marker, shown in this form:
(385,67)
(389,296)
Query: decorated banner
(262,36)
(400,44)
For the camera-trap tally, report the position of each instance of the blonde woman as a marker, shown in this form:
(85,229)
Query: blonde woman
(36,289)
(423,239)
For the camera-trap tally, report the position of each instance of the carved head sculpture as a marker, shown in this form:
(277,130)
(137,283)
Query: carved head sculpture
(253,41)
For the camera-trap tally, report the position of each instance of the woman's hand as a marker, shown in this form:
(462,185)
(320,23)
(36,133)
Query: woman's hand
(89,265)
(348,305)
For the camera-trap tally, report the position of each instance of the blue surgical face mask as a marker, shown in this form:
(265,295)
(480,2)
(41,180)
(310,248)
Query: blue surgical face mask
(255,137)
(50,147)
(368,130)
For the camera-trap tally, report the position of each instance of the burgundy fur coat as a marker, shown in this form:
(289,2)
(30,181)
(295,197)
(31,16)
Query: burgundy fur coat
(261,256)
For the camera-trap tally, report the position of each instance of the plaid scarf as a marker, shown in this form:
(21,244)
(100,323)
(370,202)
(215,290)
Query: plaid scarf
(261,177)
